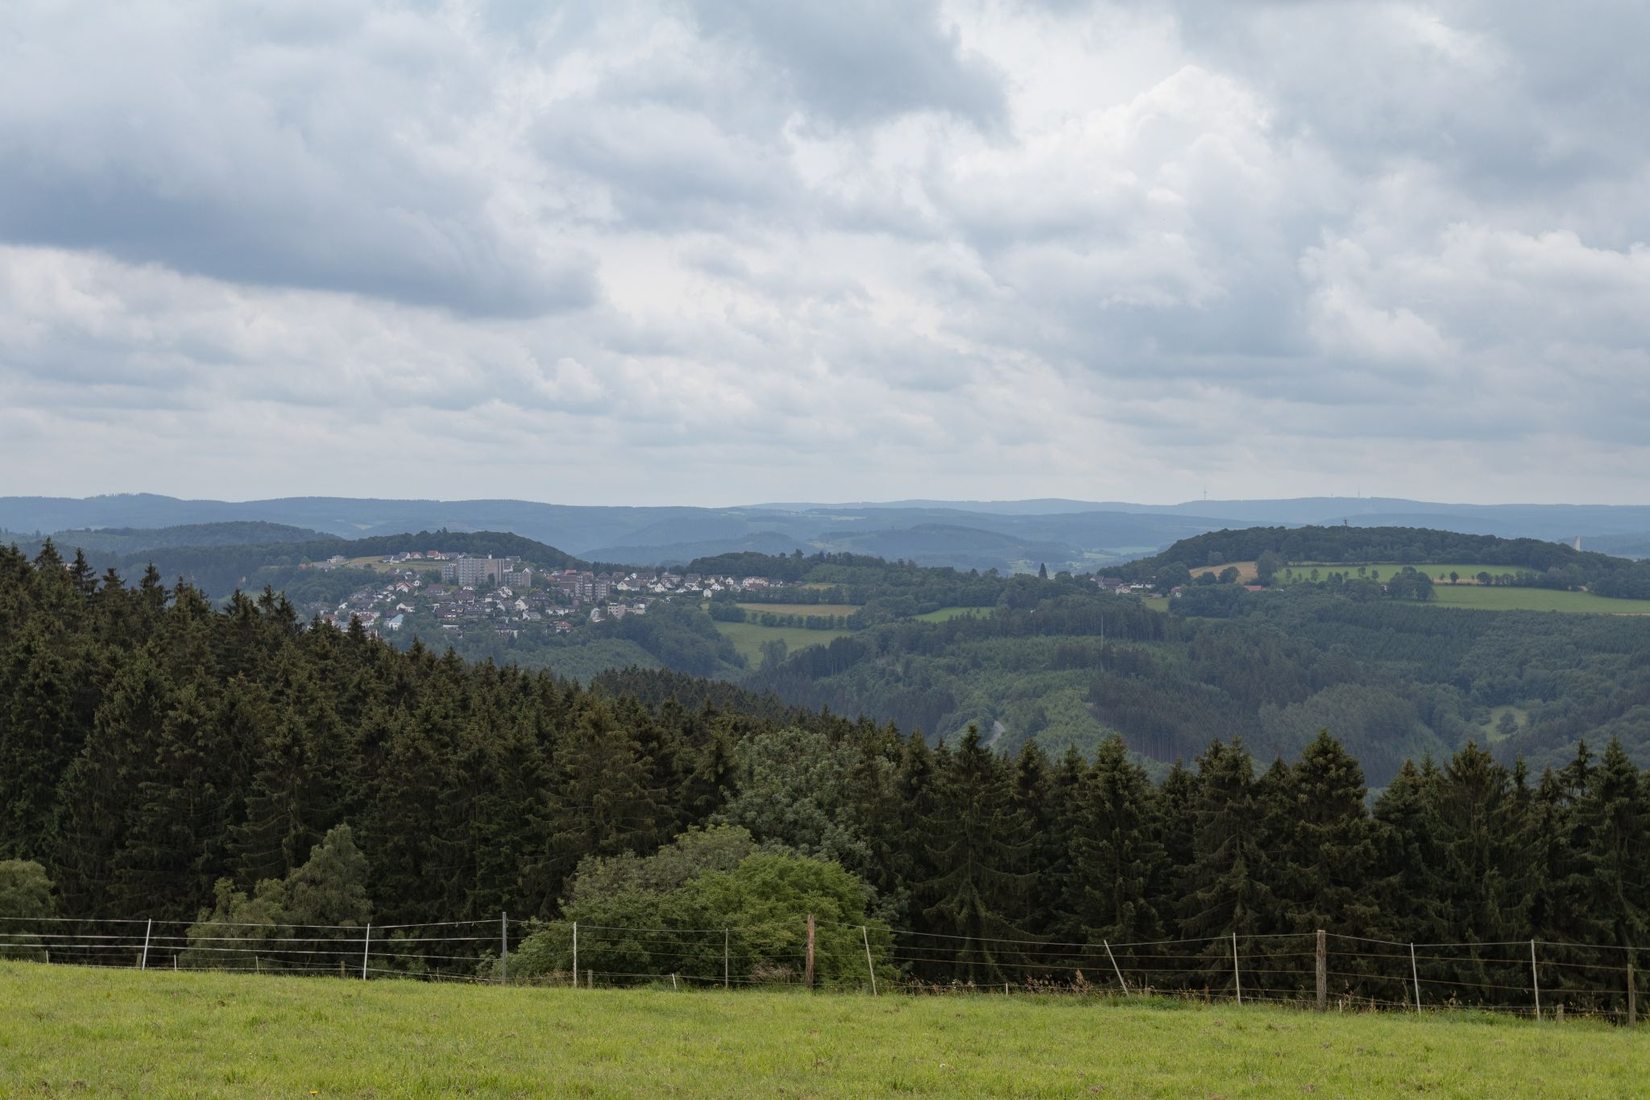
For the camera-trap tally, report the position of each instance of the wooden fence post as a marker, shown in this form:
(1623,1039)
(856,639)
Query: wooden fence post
(575,954)
(1323,970)
(1535,981)
(504,948)
(366,946)
(1115,968)
(1237,974)
(725,972)
(808,970)
(866,936)
(1414,977)
(143,961)
(1632,995)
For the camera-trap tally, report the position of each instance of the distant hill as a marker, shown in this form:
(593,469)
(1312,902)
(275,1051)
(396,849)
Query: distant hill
(125,540)
(1538,563)
(1064,534)
(218,567)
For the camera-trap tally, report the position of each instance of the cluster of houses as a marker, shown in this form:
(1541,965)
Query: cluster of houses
(508,596)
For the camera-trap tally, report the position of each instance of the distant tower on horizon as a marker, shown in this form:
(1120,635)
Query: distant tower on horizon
(1578,542)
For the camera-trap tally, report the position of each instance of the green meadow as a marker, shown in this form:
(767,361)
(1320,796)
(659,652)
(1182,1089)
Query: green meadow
(1439,573)
(748,638)
(945,614)
(1494,598)
(90,1032)
(803,609)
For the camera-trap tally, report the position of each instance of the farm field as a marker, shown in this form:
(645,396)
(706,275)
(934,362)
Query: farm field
(803,609)
(121,1033)
(1246,570)
(748,638)
(1533,599)
(1467,572)
(946,614)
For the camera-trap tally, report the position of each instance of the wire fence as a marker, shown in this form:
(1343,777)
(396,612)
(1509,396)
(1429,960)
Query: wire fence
(1543,979)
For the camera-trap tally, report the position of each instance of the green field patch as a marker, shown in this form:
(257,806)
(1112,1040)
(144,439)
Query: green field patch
(1505,721)
(803,609)
(748,638)
(1499,598)
(946,614)
(1466,573)
(103,1032)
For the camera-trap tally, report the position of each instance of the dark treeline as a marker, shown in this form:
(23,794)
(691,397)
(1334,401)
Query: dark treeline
(151,746)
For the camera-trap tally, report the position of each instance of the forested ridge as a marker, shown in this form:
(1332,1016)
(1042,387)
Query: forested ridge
(221,558)
(1061,663)
(152,746)
(1533,562)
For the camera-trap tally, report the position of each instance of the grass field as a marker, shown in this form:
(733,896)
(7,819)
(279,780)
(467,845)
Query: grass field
(91,1032)
(1533,599)
(945,614)
(803,609)
(1466,572)
(748,638)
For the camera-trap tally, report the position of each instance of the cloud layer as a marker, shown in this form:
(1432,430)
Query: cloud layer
(723,250)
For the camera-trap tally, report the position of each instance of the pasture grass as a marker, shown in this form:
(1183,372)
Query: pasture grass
(748,638)
(803,609)
(1468,573)
(92,1032)
(1495,598)
(946,614)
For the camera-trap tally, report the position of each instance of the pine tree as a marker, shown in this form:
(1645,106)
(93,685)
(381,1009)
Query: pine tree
(39,735)
(96,798)
(1046,820)
(1226,888)
(978,841)
(174,849)
(1118,858)
(293,796)
(600,802)
(1616,812)
(1328,848)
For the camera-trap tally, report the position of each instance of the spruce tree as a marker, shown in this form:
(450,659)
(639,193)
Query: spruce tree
(978,842)
(174,849)
(1118,858)
(1226,887)
(39,735)
(97,797)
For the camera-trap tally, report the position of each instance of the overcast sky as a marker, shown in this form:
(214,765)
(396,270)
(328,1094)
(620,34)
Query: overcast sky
(722,251)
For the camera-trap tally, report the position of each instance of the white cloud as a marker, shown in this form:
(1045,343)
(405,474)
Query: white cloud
(670,251)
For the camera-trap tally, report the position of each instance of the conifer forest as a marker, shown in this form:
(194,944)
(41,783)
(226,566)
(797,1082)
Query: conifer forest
(161,756)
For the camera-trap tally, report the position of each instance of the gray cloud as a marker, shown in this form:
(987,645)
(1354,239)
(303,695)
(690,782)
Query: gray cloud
(858,60)
(659,250)
(295,146)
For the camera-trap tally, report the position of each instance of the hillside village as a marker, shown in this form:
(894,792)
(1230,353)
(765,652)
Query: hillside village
(469,594)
